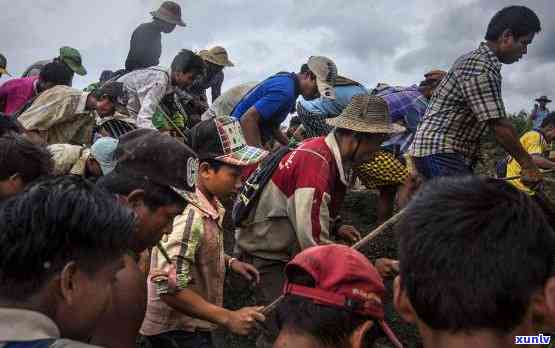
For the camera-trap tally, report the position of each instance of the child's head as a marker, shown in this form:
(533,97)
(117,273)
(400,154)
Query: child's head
(475,254)
(154,176)
(333,298)
(223,153)
(21,162)
(548,127)
(61,242)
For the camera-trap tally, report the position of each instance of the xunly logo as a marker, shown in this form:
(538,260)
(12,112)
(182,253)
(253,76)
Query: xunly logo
(538,339)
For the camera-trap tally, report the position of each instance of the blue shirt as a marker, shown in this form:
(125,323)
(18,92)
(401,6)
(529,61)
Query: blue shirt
(332,108)
(538,117)
(313,113)
(273,99)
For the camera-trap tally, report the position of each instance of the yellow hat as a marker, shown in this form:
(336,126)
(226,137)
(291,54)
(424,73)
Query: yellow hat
(216,55)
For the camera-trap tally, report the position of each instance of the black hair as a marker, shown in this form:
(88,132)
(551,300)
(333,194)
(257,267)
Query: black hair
(53,222)
(155,195)
(214,164)
(8,125)
(549,120)
(472,252)
(331,326)
(20,156)
(520,20)
(188,61)
(57,73)
(306,70)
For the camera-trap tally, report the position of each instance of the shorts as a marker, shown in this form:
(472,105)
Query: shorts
(383,170)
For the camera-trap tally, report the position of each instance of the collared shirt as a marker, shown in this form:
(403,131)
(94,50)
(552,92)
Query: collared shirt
(465,99)
(20,325)
(145,47)
(313,113)
(406,106)
(17,92)
(60,115)
(145,89)
(196,247)
(296,207)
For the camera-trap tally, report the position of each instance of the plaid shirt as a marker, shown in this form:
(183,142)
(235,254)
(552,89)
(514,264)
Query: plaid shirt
(467,97)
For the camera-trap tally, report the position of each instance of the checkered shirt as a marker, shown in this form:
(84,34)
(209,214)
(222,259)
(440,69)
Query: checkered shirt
(466,98)
(314,124)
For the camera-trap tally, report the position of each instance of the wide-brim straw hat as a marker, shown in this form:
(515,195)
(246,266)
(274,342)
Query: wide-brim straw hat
(216,55)
(366,114)
(543,98)
(169,12)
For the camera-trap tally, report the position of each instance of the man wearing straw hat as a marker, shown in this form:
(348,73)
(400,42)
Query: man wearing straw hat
(216,60)
(145,48)
(540,112)
(297,207)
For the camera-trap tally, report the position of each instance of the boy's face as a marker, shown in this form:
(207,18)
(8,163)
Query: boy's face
(183,80)
(85,297)
(222,183)
(549,132)
(512,48)
(152,225)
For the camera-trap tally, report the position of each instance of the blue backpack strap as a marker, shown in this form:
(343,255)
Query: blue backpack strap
(44,343)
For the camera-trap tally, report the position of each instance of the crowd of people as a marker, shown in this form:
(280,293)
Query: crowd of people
(112,202)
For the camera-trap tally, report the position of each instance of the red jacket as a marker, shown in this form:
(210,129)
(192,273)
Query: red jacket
(296,207)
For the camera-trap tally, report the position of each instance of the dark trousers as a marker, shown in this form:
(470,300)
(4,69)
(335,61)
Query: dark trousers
(272,278)
(442,164)
(177,339)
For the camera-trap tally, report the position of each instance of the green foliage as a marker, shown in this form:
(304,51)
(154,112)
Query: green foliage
(521,122)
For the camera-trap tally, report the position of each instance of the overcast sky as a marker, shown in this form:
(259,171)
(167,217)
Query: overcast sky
(371,41)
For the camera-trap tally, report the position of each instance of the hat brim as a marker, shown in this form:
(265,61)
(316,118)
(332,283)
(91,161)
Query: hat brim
(180,22)
(545,100)
(245,156)
(326,90)
(208,58)
(77,68)
(365,127)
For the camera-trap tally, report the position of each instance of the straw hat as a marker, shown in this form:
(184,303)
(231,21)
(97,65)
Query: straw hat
(216,55)
(366,114)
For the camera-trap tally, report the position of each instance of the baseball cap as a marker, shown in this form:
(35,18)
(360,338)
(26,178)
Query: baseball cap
(343,278)
(3,64)
(159,158)
(103,151)
(115,91)
(222,139)
(72,58)
(326,75)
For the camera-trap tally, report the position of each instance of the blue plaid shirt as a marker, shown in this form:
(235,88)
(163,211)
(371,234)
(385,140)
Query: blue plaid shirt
(406,105)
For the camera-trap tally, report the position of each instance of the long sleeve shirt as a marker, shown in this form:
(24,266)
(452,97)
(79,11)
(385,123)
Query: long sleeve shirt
(145,47)
(296,207)
(145,90)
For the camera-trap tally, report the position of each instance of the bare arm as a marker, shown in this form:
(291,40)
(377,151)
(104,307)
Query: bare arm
(250,122)
(240,322)
(505,134)
(279,136)
(542,162)
(190,303)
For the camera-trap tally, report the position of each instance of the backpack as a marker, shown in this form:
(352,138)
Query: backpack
(254,185)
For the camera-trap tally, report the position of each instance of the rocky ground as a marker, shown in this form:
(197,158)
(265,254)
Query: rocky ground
(358,210)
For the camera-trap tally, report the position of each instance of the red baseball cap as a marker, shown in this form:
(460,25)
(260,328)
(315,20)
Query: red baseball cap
(343,278)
